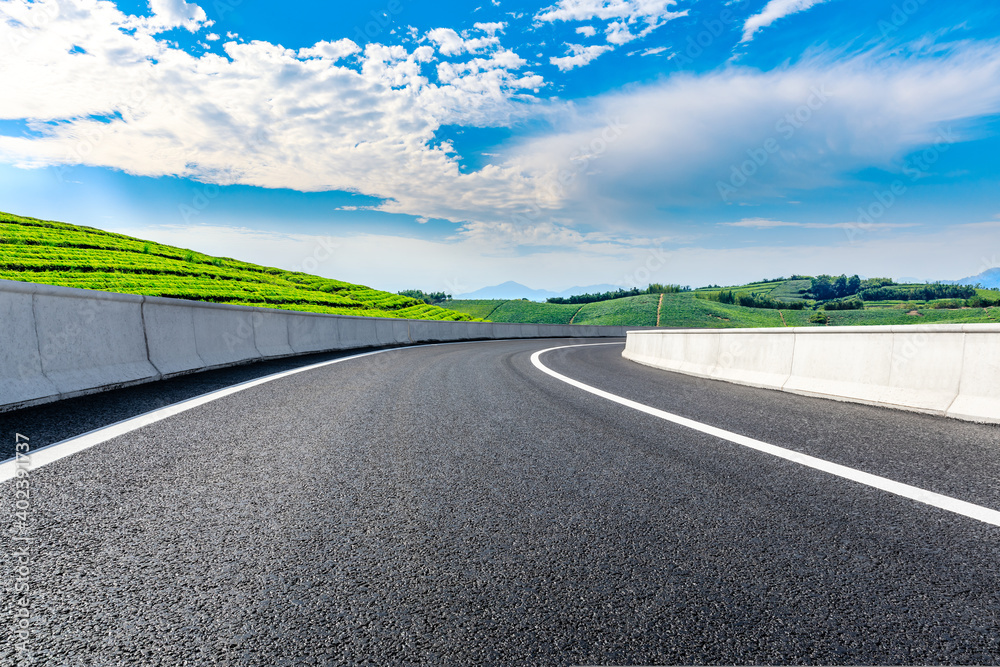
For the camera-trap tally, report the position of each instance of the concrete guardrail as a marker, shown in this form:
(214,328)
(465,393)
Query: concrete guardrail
(944,369)
(60,342)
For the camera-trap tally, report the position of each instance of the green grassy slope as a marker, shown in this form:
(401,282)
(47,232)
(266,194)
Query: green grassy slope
(529,311)
(481,308)
(632,311)
(514,310)
(685,310)
(688,311)
(55,253)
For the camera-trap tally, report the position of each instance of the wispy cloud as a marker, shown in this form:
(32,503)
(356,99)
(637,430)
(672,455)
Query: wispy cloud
(763,223)
(774,10)
(579,55)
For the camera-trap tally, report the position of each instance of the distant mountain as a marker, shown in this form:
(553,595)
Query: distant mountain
(513,290)
(989,279)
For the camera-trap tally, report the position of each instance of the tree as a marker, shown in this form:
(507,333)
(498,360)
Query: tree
(840,286)
(822,287)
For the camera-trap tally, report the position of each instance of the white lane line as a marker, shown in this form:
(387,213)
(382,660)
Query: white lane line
(60,450)
(984,514)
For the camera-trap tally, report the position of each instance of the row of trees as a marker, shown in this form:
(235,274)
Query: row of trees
(427,297)
(754,300)
(919,293)
(654,288)
(825,287)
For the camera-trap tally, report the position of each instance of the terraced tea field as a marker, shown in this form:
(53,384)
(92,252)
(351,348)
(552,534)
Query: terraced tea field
(55,253)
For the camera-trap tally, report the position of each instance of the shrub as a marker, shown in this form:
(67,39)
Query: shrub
(819,317)
(851,303)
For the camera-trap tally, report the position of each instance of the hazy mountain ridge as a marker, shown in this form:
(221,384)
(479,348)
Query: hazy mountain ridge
(514,290)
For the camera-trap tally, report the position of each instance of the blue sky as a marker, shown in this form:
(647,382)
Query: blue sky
(449,146)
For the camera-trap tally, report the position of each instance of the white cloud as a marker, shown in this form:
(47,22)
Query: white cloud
(490,28)
(260,115)
(332,51)
(472,260)
(450,43)
(177,14)
(774,10)
(617,33)
(764,223)
(579,56)
(622,16)
(478,256)
(653,52)
(332,117)
(681,138)
(586,10)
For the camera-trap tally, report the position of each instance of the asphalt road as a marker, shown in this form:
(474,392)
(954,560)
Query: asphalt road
(455,505)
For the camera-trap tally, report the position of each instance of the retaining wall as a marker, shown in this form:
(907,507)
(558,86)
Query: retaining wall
(945,369)
(60,342)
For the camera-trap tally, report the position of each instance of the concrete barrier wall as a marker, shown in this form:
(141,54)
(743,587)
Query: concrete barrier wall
(946,369)
(59,342)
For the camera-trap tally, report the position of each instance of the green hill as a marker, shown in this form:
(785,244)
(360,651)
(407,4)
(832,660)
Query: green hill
(56,253)
(693,310)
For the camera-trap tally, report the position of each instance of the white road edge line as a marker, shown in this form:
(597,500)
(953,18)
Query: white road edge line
(60,450)
(948,503)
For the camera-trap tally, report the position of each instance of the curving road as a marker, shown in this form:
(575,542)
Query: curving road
(454,504)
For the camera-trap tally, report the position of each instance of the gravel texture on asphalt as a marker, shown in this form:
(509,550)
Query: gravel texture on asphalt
(454,505)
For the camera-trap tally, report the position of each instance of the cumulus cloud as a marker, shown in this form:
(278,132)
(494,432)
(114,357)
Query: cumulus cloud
(327,117)
(774,10)
(622,16)
(585,10)
(336,117)
(177,14)
(618,33)
(450,43)
(490,28)
(332,51)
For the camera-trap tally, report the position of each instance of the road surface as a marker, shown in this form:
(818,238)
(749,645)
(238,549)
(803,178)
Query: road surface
(454,504)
